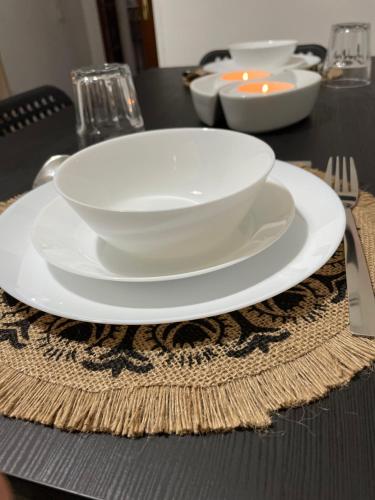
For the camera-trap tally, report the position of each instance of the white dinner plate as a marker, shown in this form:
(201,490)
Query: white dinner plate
(63,239)
(311,239)
(297,61)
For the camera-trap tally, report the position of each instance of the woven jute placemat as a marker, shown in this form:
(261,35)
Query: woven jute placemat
(212,374)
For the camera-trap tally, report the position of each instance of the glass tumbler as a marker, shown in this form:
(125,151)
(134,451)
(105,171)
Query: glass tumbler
(106,103)
(348,61)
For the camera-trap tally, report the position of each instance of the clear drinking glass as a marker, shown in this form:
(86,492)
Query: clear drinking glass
(106,103)
(348,61)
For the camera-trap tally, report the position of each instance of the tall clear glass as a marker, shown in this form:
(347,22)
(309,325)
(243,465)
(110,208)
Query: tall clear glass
(106,103)
(348,61)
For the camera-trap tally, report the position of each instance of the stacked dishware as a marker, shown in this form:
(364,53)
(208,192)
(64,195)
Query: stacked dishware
(166,226)
(263,87)
(268,54)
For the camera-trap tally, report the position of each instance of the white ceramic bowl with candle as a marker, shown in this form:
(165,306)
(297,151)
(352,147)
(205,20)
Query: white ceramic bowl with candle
(165,194)
(265,54)
(279,101)
(205,91)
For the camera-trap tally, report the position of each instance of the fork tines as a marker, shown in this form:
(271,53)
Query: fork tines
(342,180)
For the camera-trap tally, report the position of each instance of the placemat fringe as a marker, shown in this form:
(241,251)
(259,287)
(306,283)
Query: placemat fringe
(246,402)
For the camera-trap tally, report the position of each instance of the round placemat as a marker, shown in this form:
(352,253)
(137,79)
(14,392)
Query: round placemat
(213,374)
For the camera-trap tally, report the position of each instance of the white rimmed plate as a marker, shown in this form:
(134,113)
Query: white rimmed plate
(63,239)
(300,61)
(311,239)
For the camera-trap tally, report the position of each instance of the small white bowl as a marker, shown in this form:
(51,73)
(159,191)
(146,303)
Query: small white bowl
(166,194)
(267,54)
(261,113)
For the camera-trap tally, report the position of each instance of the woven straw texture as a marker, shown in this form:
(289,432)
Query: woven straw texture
(212,374)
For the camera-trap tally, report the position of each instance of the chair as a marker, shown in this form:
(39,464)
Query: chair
(213,55)
(313,48)
(21,110)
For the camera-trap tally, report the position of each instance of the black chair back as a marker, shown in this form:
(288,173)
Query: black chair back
(21,110)
(213,55)
(312,48)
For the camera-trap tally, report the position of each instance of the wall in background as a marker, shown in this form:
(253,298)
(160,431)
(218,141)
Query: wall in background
(187,29)
(42,40)
(93,31)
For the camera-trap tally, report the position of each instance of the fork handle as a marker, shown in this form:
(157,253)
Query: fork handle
(360,291)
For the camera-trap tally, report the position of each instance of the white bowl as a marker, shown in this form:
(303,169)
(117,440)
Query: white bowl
(165,194)
(204,93)
(267,54)
(261,113)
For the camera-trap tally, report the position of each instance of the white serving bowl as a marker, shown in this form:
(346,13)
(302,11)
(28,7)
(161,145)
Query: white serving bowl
(165,194)
(204,93)
(261,113)
(266,54)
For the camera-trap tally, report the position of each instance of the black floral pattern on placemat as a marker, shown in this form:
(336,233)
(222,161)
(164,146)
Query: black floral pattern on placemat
(137,349)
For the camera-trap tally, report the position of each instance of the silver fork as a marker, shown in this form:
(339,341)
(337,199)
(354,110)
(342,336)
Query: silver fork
(360,292)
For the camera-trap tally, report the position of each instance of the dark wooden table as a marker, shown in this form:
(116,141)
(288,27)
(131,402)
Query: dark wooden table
(323,451)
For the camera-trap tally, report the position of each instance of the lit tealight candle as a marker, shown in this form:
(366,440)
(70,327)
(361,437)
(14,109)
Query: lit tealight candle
(265,87)
(245,75)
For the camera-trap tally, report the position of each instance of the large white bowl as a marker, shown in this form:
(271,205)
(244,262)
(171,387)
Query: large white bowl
(170,193)
(261,113)
(267,54)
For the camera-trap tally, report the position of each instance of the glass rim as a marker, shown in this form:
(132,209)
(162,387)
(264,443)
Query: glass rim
(100,70)
(352,25)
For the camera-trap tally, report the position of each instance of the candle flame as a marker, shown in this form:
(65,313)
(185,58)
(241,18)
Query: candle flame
(265,88)
(245,76)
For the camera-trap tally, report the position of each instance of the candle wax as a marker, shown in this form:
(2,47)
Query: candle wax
(245,75)
(265,87)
